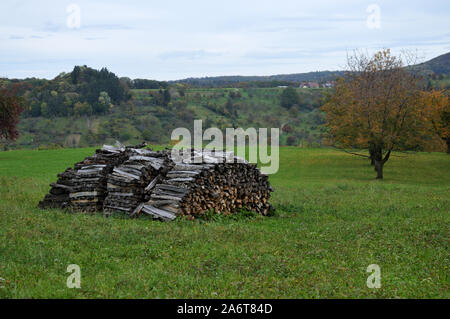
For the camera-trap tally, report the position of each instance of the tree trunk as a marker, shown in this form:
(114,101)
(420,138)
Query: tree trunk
(448,145)
(372,154)
(372,157)
(379,168)
(376,157)
(378,160)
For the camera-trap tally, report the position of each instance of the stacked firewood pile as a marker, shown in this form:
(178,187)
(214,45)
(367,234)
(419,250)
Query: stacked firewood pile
(140,181)
(216,182)
(128,183)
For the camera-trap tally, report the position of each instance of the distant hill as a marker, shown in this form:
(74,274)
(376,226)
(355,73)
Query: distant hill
(270,81)
(439,65)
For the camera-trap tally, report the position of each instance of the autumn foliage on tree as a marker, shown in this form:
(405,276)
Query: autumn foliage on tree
(437,105)
(377,105)
(10,109)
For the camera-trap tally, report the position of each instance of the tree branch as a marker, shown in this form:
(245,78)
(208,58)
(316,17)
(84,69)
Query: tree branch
(362,155)
(386,157)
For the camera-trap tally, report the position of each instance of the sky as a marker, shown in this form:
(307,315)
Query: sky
(169,40)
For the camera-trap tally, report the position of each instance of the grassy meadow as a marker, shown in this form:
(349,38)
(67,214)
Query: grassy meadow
(333,219)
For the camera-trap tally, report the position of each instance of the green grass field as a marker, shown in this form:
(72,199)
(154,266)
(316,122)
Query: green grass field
(333,220)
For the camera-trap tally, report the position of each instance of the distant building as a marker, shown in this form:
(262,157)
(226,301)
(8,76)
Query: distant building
(328,84)
(310,85)
(282,86)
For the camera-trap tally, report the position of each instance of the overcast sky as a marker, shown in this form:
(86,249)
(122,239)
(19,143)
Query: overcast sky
(169,40)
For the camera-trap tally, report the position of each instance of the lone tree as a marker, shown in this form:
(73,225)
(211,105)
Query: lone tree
(10,110)
(377,105)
